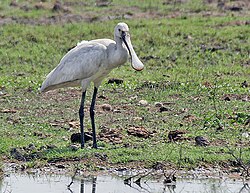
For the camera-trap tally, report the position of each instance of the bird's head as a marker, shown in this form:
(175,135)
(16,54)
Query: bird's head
(122,32)
(121,29)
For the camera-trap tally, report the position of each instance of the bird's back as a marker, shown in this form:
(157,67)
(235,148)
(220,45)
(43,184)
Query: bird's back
(81,62)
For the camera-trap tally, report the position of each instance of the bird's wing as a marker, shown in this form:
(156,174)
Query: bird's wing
(80,63)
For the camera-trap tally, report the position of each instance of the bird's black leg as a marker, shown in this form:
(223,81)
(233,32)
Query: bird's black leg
(81,116)
(92,116)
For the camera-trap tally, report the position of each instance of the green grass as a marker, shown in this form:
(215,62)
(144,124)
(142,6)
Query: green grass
(34,9)
(181,67)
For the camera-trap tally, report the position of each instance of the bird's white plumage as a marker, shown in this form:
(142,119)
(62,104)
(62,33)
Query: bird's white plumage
(80,63)
(91,61)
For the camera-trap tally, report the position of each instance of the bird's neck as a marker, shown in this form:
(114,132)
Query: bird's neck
(120,51)
(119,44)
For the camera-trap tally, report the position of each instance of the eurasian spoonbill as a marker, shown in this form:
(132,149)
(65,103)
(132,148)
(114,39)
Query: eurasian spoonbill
(91,61)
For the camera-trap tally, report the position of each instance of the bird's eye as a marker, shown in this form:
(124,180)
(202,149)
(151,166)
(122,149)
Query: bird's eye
(119,30)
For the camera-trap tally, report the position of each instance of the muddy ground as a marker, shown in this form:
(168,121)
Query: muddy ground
(64,13)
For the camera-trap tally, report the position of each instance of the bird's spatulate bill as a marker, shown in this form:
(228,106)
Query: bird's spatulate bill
(135,61)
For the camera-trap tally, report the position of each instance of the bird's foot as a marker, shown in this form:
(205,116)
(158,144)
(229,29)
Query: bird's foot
(94,146)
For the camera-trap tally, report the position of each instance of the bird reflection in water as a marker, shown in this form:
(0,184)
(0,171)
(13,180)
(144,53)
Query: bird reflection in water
(93,181)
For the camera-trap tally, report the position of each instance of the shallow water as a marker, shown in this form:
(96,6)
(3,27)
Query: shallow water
(23,183)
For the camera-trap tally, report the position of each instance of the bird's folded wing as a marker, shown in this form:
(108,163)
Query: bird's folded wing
(80,63)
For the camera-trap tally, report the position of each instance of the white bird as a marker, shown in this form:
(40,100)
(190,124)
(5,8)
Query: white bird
(91,61)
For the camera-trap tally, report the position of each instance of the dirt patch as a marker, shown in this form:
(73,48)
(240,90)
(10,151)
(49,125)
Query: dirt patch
(242,97)
(56,19)
(140,132)
(8,111)
(176,135)
(110,135)
(235,23)
(62,95)
(68,12)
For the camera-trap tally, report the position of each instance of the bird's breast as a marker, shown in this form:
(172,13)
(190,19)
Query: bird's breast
(118,58)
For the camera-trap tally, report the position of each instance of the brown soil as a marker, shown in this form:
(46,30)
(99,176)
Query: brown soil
(65,12)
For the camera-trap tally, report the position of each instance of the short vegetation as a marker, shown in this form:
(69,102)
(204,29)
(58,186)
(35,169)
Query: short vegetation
(195,83)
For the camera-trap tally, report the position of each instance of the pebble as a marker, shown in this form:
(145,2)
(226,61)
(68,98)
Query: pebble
(17,154)
(2,93)
(32,146)
(106,107)
(158,104)
(162,109)
(244,84)
(143,102)
(74,147)
(245,135)
(137,118)
(115,80)
(201,141)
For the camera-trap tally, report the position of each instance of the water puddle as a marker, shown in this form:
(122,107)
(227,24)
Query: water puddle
(41,183)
